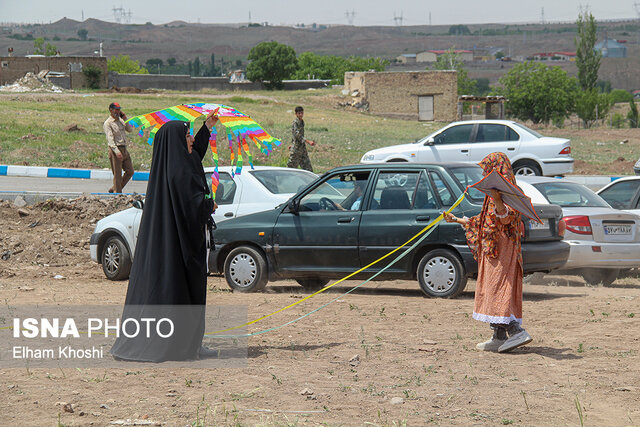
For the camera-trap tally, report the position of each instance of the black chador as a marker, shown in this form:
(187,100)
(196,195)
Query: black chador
(169,273)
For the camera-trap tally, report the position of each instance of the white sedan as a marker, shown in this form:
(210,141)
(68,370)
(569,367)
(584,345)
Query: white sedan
(470,141)
(623,193)
(113,241)
(603,240)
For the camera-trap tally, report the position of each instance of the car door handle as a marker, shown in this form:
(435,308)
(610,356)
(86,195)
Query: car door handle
(464,151)
(228,214)
(423,218)
(345,220)
(511,148)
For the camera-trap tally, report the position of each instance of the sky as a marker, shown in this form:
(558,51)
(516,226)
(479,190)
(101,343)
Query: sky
(332,12)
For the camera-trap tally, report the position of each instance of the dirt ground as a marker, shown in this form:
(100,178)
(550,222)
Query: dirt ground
(416,359)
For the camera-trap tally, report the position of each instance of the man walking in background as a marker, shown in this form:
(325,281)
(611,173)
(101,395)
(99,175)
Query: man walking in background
(298,155)
(117,139)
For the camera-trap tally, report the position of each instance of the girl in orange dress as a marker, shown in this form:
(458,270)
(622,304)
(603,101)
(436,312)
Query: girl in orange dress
(494,238)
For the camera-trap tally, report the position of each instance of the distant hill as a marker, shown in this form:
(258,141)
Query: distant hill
(232,42)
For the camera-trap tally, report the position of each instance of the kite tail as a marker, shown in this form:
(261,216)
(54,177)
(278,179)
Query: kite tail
(215,177)
(245,147)
(262,147)
(239,162)
(233,156)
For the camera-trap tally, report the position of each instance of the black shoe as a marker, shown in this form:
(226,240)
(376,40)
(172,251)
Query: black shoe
(207,353)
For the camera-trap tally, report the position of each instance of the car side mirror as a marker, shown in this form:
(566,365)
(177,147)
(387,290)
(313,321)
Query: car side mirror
(138,204)
(429,141)
(292,206)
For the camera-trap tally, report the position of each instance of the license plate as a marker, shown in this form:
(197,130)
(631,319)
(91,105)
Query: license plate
(612,230)
(535,225)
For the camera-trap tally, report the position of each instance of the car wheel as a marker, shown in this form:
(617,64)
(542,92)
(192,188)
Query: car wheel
(312,284)
(595,276)
(527,168)
(116,260)
(441,274)
(245,269)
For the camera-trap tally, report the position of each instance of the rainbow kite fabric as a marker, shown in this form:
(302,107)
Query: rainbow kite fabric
(239,126)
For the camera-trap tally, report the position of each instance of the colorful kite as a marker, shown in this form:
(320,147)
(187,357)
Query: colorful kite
(239,126)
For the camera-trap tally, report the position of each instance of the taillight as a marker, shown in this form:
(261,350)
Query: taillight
(562,227)
(578,224)
(566,150)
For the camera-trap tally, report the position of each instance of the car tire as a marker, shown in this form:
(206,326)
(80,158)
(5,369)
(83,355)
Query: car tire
(115,259)
(526,168)
(441,274)
(245,269)
(312,284)
(595,276)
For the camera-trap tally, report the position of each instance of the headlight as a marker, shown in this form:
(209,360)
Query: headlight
(368,158)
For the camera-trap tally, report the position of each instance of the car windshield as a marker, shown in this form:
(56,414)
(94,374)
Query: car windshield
(568,195)
(466,176)
(531,131)
(282,181)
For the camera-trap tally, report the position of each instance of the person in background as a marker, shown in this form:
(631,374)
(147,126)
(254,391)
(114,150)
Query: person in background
(298,155)
(494,238)
(116,131)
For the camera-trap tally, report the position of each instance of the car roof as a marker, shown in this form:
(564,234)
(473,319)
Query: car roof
(402,165)
(228,169)
(490,121)
(539,179)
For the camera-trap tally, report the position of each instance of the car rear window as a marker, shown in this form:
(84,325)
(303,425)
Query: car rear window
(466,176)
(531,131)
(283,181)
(570,195)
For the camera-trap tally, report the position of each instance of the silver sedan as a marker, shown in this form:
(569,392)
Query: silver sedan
(603,239)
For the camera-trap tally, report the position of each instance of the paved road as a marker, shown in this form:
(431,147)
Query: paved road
(67,185)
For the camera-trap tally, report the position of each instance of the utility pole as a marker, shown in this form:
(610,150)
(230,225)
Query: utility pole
(83,15)
(249,17)
(542,16)
(350,16)
(397,19)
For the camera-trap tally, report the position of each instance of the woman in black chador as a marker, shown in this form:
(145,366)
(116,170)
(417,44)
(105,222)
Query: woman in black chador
(169,274)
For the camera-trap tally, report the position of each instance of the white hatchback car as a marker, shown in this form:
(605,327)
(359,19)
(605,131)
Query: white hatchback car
(470,141)
(603,240)
(113,241)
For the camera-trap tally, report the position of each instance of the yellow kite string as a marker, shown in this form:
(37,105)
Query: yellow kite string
(424,230)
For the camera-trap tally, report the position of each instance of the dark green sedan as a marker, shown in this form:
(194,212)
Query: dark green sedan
(353,215)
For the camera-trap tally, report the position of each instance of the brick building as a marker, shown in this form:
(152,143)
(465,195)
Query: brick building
(415,95)
(68,69)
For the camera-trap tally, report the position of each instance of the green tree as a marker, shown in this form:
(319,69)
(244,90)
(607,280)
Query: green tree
(587,58)
(122,64)
(592,105)
(499,54)
(196,66)
(451,61)
(82,33)
(38,46)
(271,62)
(329,67)
(171,62)
(92,74)
(538,93)
(620,95)
(153,65)
(459,30)
(632,115)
